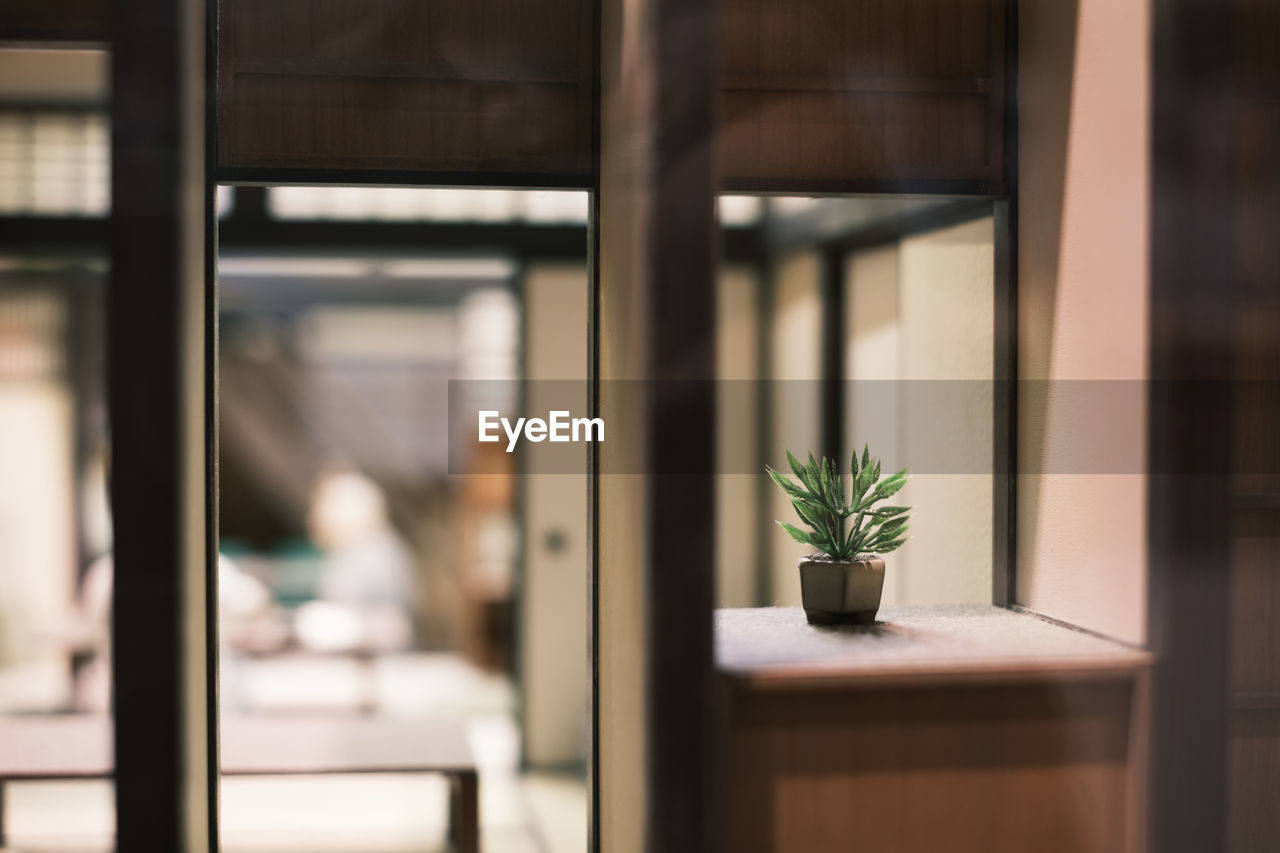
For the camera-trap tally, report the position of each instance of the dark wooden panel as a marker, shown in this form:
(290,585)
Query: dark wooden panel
(1254,752)
(1191,339)
(1256,396)
(1020,767)
(487,86)
(1258,205)
(74,21)
(1257,30)
(862,90)
(1255,603)
(1254,739)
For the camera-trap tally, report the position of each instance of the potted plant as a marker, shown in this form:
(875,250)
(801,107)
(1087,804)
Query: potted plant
(842,584)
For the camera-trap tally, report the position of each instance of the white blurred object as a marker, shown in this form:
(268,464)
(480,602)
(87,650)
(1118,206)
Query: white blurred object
(346,509)
(239,594)
(323,626)
(366,579)
(489,335)
(430,204)
(739,211)
(327,627)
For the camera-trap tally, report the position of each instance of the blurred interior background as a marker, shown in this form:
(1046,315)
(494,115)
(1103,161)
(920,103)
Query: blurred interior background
(379,570)
(375,560)
(357,575)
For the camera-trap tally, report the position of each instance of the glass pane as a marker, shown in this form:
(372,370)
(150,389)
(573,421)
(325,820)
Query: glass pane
(386,578)
(913,380)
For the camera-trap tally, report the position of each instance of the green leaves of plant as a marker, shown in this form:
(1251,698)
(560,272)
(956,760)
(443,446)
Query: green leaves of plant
(786,485)
(890,486)
(798,469)
(820,502)
(796,533)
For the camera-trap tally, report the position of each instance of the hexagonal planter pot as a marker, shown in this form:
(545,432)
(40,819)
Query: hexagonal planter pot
(841,592)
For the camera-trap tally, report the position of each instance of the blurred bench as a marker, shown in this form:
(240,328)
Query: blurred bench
(80,747)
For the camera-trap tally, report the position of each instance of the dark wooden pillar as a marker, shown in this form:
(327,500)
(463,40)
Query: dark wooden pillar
(655,291)
(1253,778)
(1190,415)
(162,650)
(831,408)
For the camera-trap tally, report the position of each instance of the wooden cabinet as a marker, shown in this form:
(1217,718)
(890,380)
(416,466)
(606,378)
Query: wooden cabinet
(961,728)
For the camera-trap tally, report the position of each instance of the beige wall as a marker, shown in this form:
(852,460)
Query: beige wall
(37,559)
(737,352)
(553,602)
(797,336)
(53,75)
(922,309)
(1083,290)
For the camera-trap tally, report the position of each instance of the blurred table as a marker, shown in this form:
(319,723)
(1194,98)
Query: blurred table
(80,747)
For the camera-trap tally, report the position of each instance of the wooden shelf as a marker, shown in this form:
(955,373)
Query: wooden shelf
(962,728)
(775,648)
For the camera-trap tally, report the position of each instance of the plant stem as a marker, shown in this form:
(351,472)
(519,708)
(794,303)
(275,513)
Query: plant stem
(840,540)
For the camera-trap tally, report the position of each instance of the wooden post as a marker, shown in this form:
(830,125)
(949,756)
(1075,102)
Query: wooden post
(655,275)
(159,388)
(1190,416)
(831,407)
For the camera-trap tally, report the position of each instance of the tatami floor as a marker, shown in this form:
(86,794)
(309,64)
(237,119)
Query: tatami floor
(374,813)
(379,813)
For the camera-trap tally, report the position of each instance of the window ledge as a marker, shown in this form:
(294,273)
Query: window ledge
(929,645)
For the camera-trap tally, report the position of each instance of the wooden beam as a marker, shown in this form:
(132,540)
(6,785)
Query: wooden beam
(64,23)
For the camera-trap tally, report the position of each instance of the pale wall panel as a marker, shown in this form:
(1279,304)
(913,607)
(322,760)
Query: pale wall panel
(553,601)
(737,481)
(922,309)
(795,369)
(1083,294)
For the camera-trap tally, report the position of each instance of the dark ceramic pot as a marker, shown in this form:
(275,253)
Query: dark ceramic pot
(837,592)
